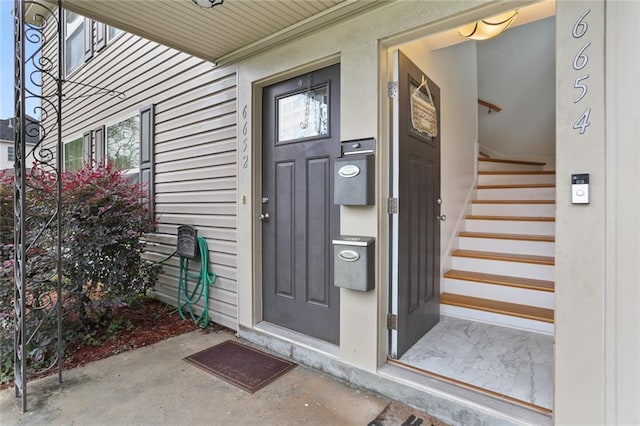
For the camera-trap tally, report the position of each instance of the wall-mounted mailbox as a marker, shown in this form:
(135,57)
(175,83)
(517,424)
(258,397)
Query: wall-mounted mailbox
(187,236)
(354,261)
(355,173)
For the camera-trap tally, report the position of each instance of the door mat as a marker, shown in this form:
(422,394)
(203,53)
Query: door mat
(241,365)
(397,414)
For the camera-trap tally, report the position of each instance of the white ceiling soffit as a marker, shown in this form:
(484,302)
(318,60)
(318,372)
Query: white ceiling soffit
(224,33)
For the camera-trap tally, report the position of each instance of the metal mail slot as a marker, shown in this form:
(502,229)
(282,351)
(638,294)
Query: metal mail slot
(354,261)
(354,180)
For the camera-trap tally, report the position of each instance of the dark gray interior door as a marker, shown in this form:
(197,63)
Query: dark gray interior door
(300,142)
(418,208)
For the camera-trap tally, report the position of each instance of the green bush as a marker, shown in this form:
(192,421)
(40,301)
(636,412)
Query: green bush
(104,217)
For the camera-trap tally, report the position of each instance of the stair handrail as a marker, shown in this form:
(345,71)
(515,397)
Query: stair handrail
(492,107)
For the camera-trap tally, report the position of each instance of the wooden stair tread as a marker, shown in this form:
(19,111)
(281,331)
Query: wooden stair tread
(512,218)
(495,306)
(516,172)
(513,201)
(504,160)
(504,280)
(518,186)
(507,257)
(519,237)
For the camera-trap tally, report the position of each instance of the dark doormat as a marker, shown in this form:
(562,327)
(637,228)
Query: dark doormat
(397,414)
(241,365)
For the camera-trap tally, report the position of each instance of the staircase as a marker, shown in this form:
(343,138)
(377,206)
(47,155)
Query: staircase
(503,271)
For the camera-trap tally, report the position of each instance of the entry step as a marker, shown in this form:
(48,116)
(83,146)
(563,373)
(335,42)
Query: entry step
(518,186)
(503,280)
(519,237)
(513,218)
(507,257)
(513,201)
(504,308)
(507,161)
(516,172)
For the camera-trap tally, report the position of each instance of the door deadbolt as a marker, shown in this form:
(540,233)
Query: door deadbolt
(439,201)
(265,200)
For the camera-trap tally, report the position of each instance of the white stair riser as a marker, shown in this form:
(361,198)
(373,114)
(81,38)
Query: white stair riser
(540,210)
(500,267)
(517,194)
(541,299)
(538,248)
(510,226)
(497,319)
(488,165)
(514,179)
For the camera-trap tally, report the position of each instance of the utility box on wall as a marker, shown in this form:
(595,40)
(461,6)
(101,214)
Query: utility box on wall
(355,174)
(354,263)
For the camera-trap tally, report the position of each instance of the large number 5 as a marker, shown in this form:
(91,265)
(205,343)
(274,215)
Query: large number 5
(579,85)
(581,27)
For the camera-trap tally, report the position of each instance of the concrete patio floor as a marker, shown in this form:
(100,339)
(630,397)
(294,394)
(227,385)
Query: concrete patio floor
(153,385)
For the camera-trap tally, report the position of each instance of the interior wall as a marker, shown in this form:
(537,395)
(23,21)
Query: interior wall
(516,71)
(454,70)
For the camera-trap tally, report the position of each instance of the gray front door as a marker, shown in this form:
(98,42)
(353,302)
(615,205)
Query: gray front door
(300,140)
(417,226)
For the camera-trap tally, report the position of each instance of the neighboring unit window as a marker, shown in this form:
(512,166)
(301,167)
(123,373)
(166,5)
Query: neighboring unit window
(123,144)
(73,154)
(11,154)
(112,32)
(73,41)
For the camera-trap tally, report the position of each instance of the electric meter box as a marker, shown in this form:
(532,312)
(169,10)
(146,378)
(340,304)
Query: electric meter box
(354,263)
(354,174)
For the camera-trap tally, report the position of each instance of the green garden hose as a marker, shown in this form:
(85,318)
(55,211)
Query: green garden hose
(200,289)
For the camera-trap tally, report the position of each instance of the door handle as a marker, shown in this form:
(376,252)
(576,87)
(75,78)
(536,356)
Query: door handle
(264,217)
(441,218)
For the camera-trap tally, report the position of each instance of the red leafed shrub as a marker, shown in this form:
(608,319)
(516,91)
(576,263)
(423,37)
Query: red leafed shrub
(104,215)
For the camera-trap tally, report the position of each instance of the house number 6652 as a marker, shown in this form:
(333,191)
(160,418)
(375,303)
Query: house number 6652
(580,62)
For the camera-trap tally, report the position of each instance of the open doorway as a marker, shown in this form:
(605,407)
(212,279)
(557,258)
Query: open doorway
(497,191)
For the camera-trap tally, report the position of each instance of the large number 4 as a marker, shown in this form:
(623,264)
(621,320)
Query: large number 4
(583,121)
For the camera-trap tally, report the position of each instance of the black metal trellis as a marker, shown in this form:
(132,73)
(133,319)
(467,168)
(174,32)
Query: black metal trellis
(37,236)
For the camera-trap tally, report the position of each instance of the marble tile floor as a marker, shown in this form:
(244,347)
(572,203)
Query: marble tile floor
(511,362)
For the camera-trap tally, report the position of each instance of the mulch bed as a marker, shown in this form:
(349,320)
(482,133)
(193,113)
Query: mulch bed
(152,322)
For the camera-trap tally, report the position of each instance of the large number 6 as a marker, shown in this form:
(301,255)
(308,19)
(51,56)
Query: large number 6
(581,27)
(581,59)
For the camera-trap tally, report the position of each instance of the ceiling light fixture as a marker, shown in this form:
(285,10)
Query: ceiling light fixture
(488,28)
(207,4)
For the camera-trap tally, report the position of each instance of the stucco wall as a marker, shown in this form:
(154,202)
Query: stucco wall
(516,71)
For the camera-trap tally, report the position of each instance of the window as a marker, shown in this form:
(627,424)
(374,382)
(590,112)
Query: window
(112,32)
(304,115)
(73,155)
(11,154)
(73,41)
(123,144)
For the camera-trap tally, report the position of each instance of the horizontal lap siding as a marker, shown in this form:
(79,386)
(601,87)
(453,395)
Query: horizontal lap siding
(195,150)
(196,178)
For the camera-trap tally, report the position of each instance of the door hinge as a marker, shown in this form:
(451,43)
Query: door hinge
(392,205)
(392,89)
(392,321)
